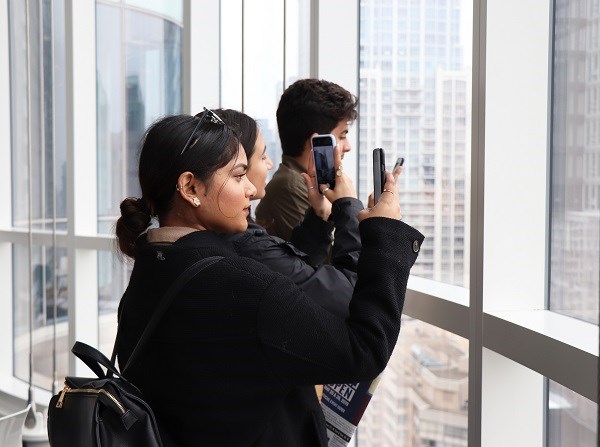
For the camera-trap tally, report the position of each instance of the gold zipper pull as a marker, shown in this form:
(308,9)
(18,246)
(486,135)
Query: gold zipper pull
(64,391)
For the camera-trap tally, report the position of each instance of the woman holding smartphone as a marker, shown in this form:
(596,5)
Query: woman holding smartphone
(232,363)
(330,285)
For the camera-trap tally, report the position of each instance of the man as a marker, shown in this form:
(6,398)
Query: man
(307,107)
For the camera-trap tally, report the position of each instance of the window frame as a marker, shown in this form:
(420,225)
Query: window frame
(496,328)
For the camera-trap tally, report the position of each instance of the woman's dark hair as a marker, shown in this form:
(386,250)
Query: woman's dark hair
(244,126)
(161,162)
(312,105)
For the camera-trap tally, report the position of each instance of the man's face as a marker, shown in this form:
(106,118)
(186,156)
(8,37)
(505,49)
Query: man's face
(341,135)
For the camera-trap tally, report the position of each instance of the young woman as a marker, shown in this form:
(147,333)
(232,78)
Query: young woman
(232,362)
(331,285)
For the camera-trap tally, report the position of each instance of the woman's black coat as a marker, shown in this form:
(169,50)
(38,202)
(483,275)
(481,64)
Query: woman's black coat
(329,285)
(235,360)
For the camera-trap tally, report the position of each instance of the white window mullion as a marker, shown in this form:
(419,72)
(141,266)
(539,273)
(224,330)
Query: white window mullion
(81,173)
(337,56)
(511,410)
(334,44)
(201,55)
(516,179)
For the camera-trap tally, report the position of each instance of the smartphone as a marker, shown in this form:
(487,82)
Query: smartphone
(378,172)
(322,146)
(399,163)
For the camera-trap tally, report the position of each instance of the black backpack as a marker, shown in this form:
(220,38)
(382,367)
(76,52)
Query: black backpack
(109,410)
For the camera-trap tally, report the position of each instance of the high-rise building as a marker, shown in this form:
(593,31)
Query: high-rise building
(423,394)
(415,96)
(415,103)
(575,207)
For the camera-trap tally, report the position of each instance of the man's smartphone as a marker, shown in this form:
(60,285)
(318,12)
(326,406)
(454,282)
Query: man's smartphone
(378,172)
(322,146)
(399,162)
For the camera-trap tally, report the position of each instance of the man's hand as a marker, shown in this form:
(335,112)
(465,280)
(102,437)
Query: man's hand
(321,203)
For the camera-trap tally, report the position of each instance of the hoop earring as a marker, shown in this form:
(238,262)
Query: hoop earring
(196,202)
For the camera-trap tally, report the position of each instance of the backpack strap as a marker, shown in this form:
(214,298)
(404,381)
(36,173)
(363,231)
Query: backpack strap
(92,358)
(163,305)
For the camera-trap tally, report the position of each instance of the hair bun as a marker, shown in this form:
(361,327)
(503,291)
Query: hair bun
(135,218)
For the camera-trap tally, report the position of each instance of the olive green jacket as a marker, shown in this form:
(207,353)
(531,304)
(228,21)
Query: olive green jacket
(285,201)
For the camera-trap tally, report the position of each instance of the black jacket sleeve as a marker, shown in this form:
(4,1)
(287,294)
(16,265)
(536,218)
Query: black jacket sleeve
(327,285)
(347,244)
(314,235)
(305,345)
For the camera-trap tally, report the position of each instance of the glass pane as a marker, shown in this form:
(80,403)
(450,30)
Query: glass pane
(422,397)
(38,153)
(38,115)
(110,114)
(46,284)
(139,79)
(297,40)
(168,8)
(262,88)
(257,92)
(575,203)
(415,89)
(231,54)
(572,419)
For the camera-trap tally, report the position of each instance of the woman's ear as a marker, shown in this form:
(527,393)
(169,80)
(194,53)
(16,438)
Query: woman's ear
(190,188)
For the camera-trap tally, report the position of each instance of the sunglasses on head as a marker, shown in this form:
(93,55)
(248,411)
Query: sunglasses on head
(207,116)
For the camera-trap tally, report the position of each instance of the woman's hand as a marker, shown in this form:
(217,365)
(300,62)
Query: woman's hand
(388,205)
(321,203)
(396,174)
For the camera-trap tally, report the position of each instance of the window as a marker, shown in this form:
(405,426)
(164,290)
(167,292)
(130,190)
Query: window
(575,218)
(139,79)
(572,419)
(49,308)
(38,184)
(259,65)
(436,102)
(575,212)
(138,65)
(425,385)
(63,278)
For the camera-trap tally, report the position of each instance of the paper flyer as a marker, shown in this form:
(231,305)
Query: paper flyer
(343,405)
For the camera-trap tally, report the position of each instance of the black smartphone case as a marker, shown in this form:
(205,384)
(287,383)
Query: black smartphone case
(378,172)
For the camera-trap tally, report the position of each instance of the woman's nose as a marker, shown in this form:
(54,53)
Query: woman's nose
(250,188)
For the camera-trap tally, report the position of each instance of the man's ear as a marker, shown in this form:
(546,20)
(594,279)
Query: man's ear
(308,143)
